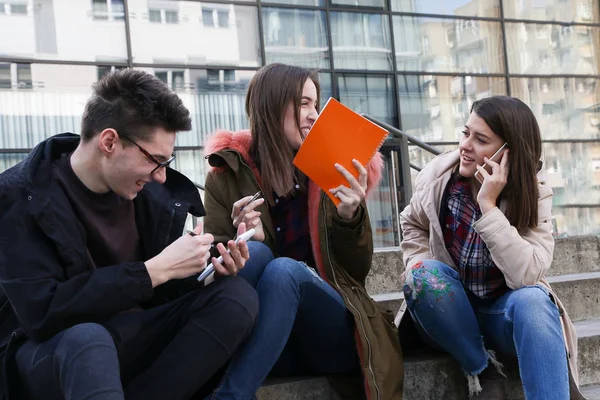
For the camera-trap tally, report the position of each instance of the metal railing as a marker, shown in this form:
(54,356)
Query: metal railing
(399,157)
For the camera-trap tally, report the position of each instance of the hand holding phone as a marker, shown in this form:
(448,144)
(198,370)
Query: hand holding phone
(495,158)
(210,268)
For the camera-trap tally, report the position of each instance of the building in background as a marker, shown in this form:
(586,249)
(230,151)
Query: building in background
(415,64)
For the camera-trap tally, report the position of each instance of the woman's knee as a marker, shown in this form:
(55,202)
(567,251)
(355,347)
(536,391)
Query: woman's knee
(431,278)
(260,256)
(260,251)
(284,271)
(532,305)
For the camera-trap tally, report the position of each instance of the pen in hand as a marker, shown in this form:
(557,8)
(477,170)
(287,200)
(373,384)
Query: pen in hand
(195,234)
(256,196)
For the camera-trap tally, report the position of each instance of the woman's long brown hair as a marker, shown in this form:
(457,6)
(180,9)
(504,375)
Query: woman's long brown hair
(513,121)
(270,92)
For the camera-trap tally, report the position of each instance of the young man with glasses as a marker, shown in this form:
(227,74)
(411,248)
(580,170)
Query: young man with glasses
(99,293)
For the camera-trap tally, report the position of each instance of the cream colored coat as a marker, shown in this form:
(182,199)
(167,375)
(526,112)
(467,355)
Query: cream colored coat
(524,259)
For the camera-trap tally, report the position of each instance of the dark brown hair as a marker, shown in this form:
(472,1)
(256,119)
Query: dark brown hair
(133,102)
(514,122)
(270,91)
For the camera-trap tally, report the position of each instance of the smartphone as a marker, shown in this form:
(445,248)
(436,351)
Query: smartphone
(210,268)
(487,167)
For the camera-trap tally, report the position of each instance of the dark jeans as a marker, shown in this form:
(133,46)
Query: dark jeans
(167,352)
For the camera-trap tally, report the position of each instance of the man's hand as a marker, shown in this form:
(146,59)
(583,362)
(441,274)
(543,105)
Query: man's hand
(184,257)
(234,259)
(352,196)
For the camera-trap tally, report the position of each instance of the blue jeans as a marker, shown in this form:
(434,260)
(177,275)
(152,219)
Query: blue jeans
(303,327)
(524,323)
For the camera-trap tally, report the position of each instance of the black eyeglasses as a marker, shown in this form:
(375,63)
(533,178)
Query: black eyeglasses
(159,164)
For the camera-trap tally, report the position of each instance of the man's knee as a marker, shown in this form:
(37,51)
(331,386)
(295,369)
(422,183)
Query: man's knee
(236,300)
(89,337)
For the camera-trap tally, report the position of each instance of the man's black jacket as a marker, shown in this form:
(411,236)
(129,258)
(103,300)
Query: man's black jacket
(47,280)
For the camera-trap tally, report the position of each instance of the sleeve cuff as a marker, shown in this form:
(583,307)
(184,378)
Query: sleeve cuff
(140,274)
(353,223)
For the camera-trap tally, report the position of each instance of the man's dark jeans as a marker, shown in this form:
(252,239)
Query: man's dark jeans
(167,352)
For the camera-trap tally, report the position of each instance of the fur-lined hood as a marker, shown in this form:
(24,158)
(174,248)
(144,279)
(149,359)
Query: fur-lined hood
(240,142)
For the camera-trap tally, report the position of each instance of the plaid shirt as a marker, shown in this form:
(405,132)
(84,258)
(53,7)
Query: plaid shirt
(292,233)
(478,272)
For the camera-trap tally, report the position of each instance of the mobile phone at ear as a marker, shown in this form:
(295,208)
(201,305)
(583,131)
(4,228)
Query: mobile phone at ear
(210,268)
(487,167)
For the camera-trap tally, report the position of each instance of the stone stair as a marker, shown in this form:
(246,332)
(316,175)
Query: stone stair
(574,276)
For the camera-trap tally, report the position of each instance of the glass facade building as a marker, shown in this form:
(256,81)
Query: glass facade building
(415,64)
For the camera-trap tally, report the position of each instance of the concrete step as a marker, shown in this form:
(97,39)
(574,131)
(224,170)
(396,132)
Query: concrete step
(591,392)
(571,255)
(391,301)
(579,294)
(438,376)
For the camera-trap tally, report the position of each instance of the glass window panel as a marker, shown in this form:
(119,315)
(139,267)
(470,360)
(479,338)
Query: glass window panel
(436,108)
(18,9)
(100,9)
(372,95)
(448,45)
(196,33)
(471,8)
(326,90)
(297,37)
(154,16)
(566,108)
(207,18)
(318,3)
(171,17)
(383,207)
(573,173)
(360,3)
(24,76)
(65,30)
(8,160)
(5,76)
(585,11)
(191,163)
(553,49)
(361,41)
(53,102)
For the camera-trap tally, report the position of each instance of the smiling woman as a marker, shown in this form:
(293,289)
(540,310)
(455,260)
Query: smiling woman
(488,245)
(299,288)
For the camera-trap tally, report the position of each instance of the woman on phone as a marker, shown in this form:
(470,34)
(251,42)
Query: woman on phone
(315,316)
(476,256)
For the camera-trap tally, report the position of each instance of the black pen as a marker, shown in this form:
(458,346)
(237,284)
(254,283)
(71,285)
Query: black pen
(195,234)
(256,196)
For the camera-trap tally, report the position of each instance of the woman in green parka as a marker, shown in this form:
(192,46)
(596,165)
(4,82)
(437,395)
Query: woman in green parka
(309,257)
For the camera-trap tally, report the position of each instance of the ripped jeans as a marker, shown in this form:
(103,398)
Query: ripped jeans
(523,323)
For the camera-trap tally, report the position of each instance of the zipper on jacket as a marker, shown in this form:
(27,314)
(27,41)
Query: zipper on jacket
(170,226)
(360,317)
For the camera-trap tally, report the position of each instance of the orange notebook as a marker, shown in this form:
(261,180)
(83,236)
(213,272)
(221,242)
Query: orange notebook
(337,136)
